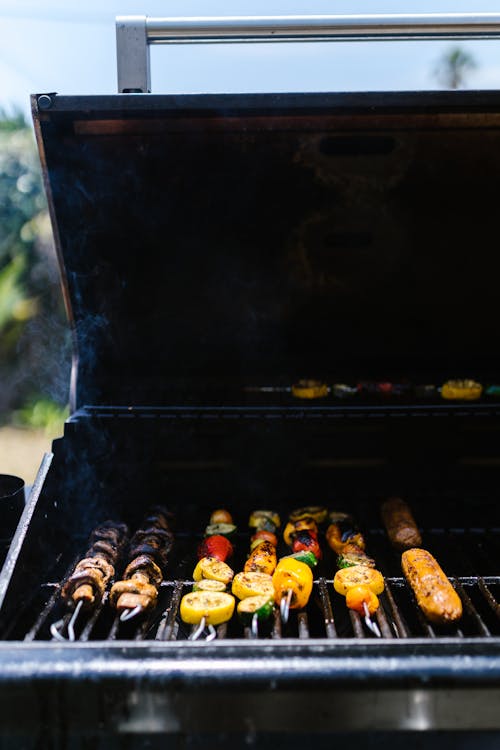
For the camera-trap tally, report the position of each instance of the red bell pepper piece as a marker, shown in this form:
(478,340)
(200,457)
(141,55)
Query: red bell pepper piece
(215,546)
(307,541)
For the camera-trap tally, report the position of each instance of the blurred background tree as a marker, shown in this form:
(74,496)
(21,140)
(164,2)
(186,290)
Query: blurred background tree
(34,336)
(454,67)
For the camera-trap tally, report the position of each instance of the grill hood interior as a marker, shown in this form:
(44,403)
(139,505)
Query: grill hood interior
(213,241)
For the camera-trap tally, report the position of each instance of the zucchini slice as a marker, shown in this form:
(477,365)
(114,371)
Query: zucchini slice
(350,559)
(208,584)
(210,567)
(262,606)
(224,529)
(309,558)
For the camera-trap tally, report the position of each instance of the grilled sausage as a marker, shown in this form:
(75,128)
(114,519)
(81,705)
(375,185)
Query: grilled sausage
(435,595)
(400,524)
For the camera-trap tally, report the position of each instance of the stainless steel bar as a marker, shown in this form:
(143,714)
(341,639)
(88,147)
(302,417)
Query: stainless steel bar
(203,29)
(383,623)
(470,608)
(401,627)
(303,625)
(89,626)
(114,628)
(276,631)
(42,617)
(135,34)
(166,627)
(144,627)
(222,631)
(356,624)
(132,55)
(494,605)
(428,629)
(326,606)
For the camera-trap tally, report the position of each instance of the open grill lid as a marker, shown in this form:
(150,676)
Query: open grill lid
(208,242)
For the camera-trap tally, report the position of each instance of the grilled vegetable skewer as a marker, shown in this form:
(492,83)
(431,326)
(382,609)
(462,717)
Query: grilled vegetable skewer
(87,583)
(293,578)
(254,586)
(356,577)
(209,604)
(149,549)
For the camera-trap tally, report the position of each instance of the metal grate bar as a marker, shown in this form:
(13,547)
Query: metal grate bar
(42,617)
(356,624)
(383,623)
(398,620)
(89,626)
(494,605)
(277,625)
(144,627)
(427,628)
(114,628)
(326,606)
(303,625)
(166,628)
(470,608)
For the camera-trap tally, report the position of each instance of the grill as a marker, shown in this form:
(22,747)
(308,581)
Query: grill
(460,550)
(213,250)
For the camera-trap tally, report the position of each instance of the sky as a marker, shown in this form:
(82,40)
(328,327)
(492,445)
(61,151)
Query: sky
(69,47)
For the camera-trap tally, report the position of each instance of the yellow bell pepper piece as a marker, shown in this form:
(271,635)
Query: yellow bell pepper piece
(309,389)
(215,607)
(358,575)
(461,390)
(295,576)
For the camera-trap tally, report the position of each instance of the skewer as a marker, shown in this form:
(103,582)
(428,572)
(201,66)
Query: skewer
(369,622)
(255,626)
(128,614)
(267,389)
(56,627)
(199,630)
(212,633)
(74,618)
(285,606)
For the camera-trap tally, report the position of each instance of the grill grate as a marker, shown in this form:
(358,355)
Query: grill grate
(326,615)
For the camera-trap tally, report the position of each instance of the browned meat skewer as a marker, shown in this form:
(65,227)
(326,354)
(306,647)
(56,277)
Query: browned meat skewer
(91,575)
(149,549)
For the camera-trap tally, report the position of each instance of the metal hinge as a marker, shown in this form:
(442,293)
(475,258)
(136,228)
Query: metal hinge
(134,34)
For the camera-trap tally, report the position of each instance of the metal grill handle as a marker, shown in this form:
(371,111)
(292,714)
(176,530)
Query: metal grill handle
(134,34)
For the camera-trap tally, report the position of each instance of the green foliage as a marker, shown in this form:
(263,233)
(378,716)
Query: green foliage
(42,413)
(14,120)
(34,340)
(453,68)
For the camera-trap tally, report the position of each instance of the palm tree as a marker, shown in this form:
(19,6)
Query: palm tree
(453,67)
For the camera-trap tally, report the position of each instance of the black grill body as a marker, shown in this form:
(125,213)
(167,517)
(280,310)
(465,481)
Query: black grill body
(211,246)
